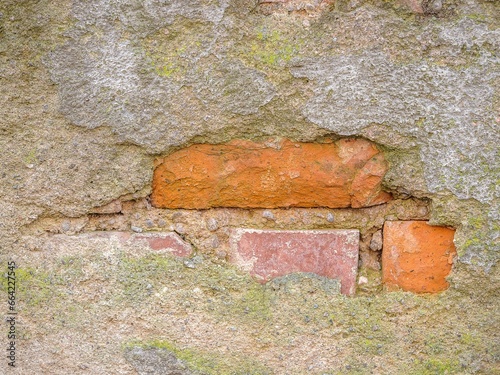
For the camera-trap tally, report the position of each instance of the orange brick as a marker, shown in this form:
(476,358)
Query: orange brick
(346,173)
(416,257)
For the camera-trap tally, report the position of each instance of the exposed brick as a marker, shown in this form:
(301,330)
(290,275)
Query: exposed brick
(416,257)
(267,254)
(414,5)
(367,181)
(109,243)
(245,174)
(424,6)
(167,241)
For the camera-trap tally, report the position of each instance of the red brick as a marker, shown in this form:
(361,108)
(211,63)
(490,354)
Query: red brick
(245,174)
(109,243)
(167,241)
(414,5)
(416,257)
(267,254)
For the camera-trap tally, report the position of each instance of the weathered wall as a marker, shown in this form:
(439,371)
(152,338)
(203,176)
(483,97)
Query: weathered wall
(94,92)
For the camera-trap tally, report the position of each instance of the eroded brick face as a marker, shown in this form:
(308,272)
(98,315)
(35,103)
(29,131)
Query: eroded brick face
(346,173)
(159,241)
(267,254)
(416,257)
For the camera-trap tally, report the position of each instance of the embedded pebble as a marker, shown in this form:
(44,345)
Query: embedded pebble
(136,229)
(268,215)
(215,243)
(179,228)
(330,218)
(362,280)
(212,224)
(176,216)
(66,226)
(221,254)
(423,211)
(376,241)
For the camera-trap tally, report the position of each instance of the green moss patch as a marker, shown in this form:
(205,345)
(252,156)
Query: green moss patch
(205,362)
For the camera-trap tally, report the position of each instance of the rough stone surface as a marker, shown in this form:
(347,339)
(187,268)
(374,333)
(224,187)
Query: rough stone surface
(417,257)
(107,80)
(271,254)
(287,174)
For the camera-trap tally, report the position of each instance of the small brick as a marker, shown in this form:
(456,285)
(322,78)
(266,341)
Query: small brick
(414,5)
(167,241)
(416,257)
(268,254)
(346,173)
(423,6)
(110,242)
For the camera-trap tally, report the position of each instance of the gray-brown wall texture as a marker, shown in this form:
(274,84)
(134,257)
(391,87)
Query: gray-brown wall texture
(96,94)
